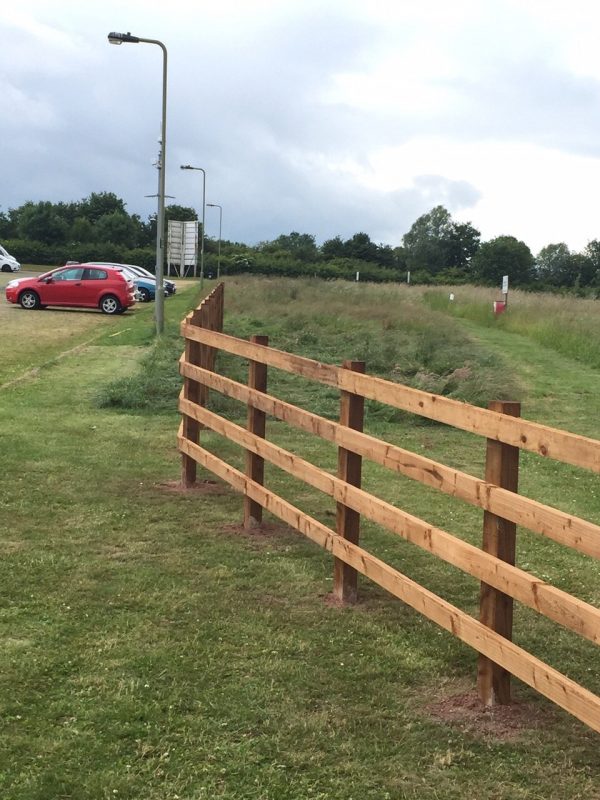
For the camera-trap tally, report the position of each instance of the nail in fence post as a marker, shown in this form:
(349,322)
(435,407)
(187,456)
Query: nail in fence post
(499,539)
(345,578)
(192,390)
(255,465)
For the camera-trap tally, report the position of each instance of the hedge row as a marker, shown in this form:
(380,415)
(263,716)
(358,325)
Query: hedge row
(28,252)
(277,264)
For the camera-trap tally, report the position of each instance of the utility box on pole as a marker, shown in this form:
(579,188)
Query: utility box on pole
(182,248)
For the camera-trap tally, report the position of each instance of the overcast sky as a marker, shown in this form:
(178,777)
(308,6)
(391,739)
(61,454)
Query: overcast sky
(321,116)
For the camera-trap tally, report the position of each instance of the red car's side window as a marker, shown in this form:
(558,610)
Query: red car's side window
(95,275)
(68,275)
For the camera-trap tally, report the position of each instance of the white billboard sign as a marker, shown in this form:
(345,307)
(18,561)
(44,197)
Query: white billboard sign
(182,247)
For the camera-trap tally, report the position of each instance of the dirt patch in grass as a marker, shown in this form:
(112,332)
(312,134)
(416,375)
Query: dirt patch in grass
(8,547)
(334,602)
(200,487)
(505,722)
(265,531)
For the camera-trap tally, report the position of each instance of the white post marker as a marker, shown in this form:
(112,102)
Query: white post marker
(358,276)
(505,290)
(408,277)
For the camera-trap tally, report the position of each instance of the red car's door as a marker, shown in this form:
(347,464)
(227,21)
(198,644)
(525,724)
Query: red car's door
(94,284)
(63,288)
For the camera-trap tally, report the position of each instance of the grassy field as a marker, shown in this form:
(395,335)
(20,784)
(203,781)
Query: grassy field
(151,649)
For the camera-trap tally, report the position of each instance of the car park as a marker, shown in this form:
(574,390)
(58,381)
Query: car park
(81,286)
(8,263)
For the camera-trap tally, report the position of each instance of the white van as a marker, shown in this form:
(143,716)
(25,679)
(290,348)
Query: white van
(7,262)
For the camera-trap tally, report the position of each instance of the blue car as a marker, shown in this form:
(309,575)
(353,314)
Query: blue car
(170,287)
(145,288)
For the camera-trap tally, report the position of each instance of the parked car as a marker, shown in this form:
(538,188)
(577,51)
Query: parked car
(145,282)
(145,288)
(85,286)
(170,287)
(8,263)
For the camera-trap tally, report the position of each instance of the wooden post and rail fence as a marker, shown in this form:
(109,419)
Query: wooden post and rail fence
(493,564)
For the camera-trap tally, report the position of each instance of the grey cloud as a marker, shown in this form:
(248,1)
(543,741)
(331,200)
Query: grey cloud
(249,109)
(533,102)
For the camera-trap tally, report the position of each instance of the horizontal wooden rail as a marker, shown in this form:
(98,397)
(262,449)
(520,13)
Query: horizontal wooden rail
(548,442)
(559,606)
(545,679)
(557,525)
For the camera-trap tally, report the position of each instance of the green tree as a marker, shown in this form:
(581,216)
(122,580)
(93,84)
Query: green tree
(40,222)
(584,270)
(385,256)
(553,265)
(400,260)
(116,227)
(8,227)
(504,255)
(68,211)
(180,213)
(82,231)
(300,245)
(435,242)
(361,247)
(100,203)
(592,254)
(556,265)
(333,248)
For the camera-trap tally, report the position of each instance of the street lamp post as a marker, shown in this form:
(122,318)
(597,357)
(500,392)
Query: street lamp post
(119,38)
(199,169)
(216,205)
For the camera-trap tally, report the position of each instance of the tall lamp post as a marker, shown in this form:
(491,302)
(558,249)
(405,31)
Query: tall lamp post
(119,38)
(199,169)
(216,205)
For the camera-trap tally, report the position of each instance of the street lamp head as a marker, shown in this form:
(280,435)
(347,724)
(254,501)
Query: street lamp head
(119,38)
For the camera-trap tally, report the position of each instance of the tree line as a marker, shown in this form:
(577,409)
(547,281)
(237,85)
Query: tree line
(437,249)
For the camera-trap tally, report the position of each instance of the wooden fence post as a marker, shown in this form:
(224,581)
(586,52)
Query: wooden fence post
(345,578)
(499,539)
(192,390)
(213,322)
(220,306)
(255,465)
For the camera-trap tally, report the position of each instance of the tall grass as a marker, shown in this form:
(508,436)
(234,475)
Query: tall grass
(332,321)
(388,327)
(568,325)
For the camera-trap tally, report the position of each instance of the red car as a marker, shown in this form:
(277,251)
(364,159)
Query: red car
(86,286)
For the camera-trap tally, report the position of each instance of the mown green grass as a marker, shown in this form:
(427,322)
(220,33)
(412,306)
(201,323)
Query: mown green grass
(150,649)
